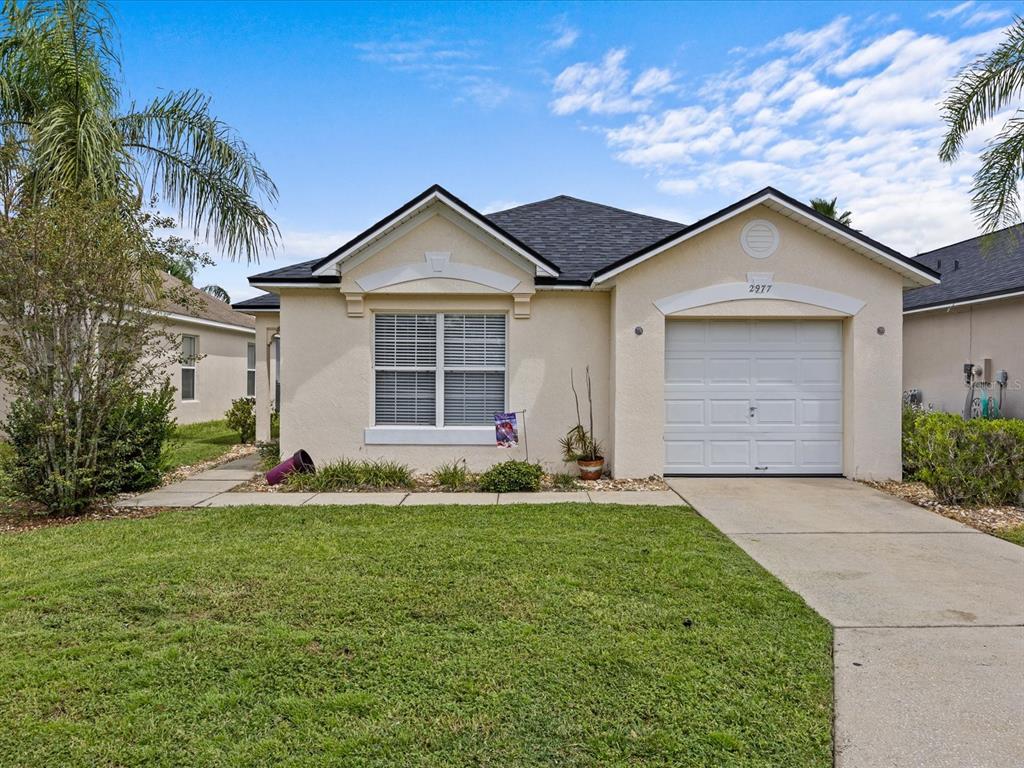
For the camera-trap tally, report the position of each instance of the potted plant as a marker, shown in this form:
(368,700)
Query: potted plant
(579,444)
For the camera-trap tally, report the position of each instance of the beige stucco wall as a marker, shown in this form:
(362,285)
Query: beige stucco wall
(327,374)
(220,371)
(937,343)
(872,373)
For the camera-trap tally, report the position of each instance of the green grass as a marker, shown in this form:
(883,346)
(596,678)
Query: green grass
(197,442)
(565,635)
(1016,535)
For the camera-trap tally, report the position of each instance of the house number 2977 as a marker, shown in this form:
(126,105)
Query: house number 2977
(759,288)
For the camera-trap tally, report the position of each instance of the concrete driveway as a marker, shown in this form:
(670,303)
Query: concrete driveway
(928,615)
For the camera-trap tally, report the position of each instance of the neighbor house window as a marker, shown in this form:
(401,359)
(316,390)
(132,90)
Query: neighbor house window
(250,369)
(189,354)
(439,369)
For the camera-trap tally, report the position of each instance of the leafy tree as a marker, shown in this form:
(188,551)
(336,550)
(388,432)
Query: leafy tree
(61,119)
(830,208)
(79,288)
(983,89)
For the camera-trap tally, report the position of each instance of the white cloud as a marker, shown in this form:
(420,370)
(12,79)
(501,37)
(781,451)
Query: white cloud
(949,13)
(847,110)
(500,205)
(565,36)
(601,89)
(985,17)
(880,51)
(653,80)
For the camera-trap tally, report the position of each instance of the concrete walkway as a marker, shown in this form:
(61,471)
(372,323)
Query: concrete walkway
(928,615)
(212,488)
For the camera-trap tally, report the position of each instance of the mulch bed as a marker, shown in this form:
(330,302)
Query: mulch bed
(988,519)
(426,484)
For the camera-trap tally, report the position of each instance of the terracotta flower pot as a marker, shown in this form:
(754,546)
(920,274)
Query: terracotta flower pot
(591,469)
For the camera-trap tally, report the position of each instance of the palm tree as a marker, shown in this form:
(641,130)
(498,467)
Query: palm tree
(217,292)
(61,109)
(983,89)
(830,208)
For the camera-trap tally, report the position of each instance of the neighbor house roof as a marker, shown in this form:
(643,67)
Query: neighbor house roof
(984,267)
(585,242)
(202,307)
(262,303)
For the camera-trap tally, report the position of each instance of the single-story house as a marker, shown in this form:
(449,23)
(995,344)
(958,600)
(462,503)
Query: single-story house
(975,316)
(764,339)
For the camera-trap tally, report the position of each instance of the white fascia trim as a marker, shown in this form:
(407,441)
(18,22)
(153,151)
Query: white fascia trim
(328,268)
(760,200)
(465,272)
(211,323)
(954,304)
(397,435)
(275,287)
(803,294)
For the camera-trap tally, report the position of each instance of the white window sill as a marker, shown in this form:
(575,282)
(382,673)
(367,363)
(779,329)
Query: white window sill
(398,435)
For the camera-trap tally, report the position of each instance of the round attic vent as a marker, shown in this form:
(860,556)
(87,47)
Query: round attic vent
(759,239)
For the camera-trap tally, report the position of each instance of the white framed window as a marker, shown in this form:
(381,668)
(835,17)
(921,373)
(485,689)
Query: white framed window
(250,369)
(439,370)
(189,355)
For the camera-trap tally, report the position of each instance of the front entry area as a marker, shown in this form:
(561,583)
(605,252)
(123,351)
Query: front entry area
(753,397)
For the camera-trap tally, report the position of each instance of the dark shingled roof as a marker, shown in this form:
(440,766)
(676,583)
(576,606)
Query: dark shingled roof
(984,266)
(581,237)
(201,305)
(263,301)
(577,236)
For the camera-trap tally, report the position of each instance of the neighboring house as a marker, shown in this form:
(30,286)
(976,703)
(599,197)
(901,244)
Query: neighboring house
(763,339)
(217,362)
(975,315)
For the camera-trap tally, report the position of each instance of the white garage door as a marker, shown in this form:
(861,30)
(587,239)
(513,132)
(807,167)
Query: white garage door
(755,397)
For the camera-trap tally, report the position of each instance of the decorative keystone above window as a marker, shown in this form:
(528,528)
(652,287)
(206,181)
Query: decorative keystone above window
(759,239)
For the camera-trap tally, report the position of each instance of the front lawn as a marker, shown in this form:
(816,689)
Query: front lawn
(202,441)
(573,635)
(1016,534)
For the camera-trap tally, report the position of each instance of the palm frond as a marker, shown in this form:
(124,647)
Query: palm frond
(198,164)
(982,89)
(217,292)
(996,191)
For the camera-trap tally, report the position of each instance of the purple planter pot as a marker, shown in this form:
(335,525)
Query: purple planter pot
(298,462)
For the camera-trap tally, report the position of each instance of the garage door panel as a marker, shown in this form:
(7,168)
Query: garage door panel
(684,370)
(790,371)
(775,453)
(684,413)
(727,455)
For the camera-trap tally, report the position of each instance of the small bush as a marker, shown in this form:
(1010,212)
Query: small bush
(347,475)
(563,481)
(275,425)
(453,476)
(241,417)
(270,454)
(511,476)
(128,452)
(972,462)
(384,474)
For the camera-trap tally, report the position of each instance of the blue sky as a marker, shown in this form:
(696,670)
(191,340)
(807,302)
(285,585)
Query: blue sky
(669,109)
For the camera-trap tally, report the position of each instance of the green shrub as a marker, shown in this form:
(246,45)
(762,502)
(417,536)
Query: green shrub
(346,475)
(511,476)
(270,454)
(452,476)
(384,474)
(972,462)
(275,425)
(241,417)
(129,448)
(563,481)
